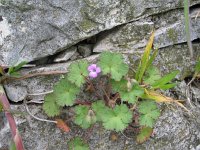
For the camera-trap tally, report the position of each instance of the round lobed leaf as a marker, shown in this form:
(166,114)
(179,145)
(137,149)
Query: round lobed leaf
(50,106)
(126,94)
(78,144)
(65,92)
(149,113)
(144,134)
(84,117)
(77,72)
(117,118)
(113,63)
(99,108)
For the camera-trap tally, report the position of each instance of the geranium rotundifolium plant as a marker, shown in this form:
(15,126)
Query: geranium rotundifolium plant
(84,117)
(78,72)
(77,144)
(113,65)
(118,100)
(66,92)
(126,94)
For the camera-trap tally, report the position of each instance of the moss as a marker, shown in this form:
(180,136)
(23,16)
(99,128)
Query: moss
(172,34)
(124,45)
(181,3)
(90,3)
(87,25)
(4,2)
(24,7)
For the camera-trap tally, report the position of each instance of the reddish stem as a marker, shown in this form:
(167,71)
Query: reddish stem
(82,103)
(14,131)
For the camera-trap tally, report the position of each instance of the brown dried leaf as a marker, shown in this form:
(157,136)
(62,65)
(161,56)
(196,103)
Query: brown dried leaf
(62,125)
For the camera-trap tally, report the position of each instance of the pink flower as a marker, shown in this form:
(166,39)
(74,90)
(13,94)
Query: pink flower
(94,70)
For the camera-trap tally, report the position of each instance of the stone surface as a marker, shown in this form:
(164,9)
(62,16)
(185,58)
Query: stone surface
(170,30)
(36,29)
(19,90)
(175,129)
(85,50)
(66,55)
(41,30)
(168,59)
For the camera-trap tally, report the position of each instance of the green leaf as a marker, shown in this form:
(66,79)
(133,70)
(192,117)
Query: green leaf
(65,92)
(164,80)
(50,106)
(144,134)
(12,145)
(145,60)
(126,94)
(78,72)
(99,108)
(167,86)
(15,74)
(77,144)
(148,113)
(152,58)
(117,118)
(1,107)
(1,71)
(85,117)
(152,75)
(17,67)
(197,66)
(113,63)
(10,70)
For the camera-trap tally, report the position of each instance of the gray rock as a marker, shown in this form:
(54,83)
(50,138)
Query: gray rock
(177,57)
(85,50)
(66,55)
(30,30)
(134,36)
(76,56)
(35,29)
(168,59)
(16,93)
(173,130)
(19,90)
(127,38)
(196,92)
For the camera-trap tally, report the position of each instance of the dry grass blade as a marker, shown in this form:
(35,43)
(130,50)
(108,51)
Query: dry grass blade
(159,98)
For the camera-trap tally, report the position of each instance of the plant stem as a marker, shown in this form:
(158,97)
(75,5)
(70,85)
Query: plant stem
(79,102)
(14,131)
(37,118)
(188,26)
(9,78)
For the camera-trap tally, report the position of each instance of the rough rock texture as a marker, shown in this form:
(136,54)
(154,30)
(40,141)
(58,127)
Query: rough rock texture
(36,29)
(46,31)
(166,61)
(170,30)
(18,90)
(66,55)
(175,129)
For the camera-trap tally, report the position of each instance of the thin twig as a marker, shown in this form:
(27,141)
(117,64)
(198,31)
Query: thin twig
(40,119)
(42,93)
(8,78)
(193,78)
(105,93)
(38,101)
(126,136)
